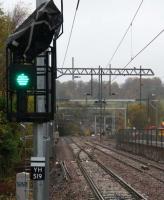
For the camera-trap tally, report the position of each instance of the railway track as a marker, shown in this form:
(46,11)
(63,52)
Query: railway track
(115,187)
(65,171)
(131,157)
(89,180)
(136,164)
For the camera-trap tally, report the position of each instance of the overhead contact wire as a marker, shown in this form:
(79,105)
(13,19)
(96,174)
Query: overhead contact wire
(65,55)
(131,43)
(142,49)
(119,44)
(145,47)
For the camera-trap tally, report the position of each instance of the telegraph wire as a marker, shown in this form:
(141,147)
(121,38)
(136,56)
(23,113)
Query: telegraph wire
(142,50)
(130,25)
(65,55)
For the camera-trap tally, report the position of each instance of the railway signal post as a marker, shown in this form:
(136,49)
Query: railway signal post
(30,82)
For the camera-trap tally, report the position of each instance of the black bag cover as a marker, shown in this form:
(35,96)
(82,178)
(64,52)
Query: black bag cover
(35,34)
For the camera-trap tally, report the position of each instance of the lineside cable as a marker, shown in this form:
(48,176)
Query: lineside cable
(119,44)
(65,55)
(142,50)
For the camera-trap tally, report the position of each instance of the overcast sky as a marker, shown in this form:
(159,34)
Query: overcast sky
(99,26)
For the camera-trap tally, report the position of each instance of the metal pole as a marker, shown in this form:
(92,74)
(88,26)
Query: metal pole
(101,114)
(91,83)
(99,102)
(140,84)
(39,130)
(47,155)
(125,116)
(104,128)
(73,77)
(40,134)
(73,65)
(113,122)
(148,111)
(99,85)
(110,82)
(95,125)
(105,124)
(157,115)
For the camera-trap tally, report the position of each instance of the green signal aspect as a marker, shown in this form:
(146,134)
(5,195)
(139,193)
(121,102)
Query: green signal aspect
(22,79)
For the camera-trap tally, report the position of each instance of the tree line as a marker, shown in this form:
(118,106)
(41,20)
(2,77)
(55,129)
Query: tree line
(11,145)
(129,89)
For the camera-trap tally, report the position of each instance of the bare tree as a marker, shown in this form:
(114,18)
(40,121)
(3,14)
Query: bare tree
(8,23)
(18,15)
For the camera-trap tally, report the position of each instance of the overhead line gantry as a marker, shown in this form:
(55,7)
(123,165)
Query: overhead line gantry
(105,71)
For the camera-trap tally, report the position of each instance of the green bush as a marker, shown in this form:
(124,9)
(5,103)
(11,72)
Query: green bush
(10,145)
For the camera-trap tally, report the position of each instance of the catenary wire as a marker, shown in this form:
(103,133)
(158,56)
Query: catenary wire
(119,44)
(65,55)
(131,46)
(141,50)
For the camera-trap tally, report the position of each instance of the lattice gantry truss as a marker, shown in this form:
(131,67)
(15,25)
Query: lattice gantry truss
(105,71)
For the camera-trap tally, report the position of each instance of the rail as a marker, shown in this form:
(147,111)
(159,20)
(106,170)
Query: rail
(91,183)
(130,157)
(126,186)
(66,173)
(127,163)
